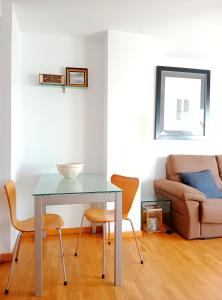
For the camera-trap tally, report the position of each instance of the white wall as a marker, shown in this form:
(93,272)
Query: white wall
(127,92)
(5,119)
(109,126)
(94,118)
(132,61)
(55,126)
(175,54)
(9,98)
(75,120)
(15,104)
(15,95)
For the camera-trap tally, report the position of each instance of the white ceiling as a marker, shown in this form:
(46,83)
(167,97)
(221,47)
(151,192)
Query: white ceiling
(83,17)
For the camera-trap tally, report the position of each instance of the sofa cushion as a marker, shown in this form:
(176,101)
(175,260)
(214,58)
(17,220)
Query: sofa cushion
(192,163)
(211,211)
(202,181)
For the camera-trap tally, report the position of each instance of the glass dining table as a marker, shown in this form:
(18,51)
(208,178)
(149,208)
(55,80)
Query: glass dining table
(53,189)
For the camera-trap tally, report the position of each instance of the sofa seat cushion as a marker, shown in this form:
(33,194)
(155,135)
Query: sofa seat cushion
(202,181)
(211,211)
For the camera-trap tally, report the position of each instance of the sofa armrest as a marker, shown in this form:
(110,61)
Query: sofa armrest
(178,189)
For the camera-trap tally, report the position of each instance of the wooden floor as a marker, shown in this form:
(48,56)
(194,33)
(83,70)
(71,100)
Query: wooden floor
(173,268)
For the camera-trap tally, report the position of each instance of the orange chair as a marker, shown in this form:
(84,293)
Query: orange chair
(50,221)
(129,185)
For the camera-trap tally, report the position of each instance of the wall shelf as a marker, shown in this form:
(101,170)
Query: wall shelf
(75,77)
(63,86)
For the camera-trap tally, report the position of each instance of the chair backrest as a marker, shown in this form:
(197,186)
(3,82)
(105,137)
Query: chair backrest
(129,185)
(10,191)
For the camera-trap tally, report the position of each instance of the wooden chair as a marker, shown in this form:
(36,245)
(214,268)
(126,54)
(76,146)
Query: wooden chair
(50,221)
(129,185)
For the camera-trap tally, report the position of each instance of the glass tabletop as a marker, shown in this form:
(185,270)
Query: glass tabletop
(55,184)
(153,198)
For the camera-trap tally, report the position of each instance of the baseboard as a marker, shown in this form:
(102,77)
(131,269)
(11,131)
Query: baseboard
(126,234)
(5,257)
(65,231)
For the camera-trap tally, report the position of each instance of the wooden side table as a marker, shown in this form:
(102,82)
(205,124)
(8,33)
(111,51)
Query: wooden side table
(149,202)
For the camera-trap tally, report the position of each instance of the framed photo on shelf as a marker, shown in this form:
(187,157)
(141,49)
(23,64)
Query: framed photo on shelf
(182,103)
(77,77)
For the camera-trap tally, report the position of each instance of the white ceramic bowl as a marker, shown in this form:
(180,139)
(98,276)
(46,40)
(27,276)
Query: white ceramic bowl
(69,170)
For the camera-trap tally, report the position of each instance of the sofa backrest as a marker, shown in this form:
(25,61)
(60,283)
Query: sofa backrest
(176,164)
(219,163)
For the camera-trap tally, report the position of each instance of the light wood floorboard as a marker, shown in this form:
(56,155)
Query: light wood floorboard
(174,269)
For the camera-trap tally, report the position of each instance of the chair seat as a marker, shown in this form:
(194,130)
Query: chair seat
(50,221)
(96,215)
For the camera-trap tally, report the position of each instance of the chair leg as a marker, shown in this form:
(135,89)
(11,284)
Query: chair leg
(80,232)
(62,256)
(141,259)
(109,241)
(13,262)
(17,253)
(104,255)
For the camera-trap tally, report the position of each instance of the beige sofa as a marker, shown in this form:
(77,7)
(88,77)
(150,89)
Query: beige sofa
(193,215)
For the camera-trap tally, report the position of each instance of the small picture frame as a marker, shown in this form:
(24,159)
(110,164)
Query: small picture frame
(53,79)
(77,77)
